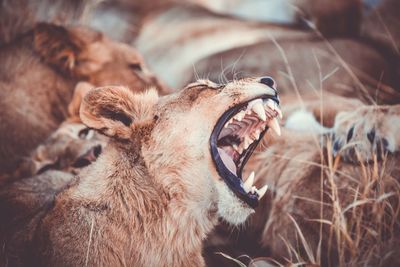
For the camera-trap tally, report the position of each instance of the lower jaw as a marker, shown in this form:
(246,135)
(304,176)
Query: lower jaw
(231,180)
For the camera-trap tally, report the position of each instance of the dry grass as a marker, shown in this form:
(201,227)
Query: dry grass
(360,231)
(363,227)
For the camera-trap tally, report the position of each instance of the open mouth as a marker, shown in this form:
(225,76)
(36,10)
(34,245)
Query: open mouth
(234,138)
(86,159)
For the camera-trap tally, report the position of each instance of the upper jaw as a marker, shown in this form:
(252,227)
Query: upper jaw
(246,123)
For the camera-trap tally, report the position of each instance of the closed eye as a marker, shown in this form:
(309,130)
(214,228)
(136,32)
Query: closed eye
(85,133)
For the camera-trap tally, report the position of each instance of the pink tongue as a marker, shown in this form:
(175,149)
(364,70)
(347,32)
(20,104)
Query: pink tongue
(227,161)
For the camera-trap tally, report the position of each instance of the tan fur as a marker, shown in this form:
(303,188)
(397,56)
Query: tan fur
(39,71)
(332,18)
(71,146)
(367,131)
(300,60)
(302,172)
(154,181)
(22,204)
(291,167)
(306,67)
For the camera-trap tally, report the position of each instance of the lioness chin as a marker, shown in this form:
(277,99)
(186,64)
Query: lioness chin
(172,167)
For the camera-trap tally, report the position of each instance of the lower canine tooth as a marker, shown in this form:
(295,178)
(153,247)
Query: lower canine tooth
(253,190)
(249,182)
(274,125)
(261,192)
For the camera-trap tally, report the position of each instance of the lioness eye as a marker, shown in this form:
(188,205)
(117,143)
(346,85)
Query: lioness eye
(84,133)
(135,66)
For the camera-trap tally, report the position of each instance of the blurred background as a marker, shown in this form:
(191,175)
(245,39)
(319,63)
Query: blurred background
(51,52)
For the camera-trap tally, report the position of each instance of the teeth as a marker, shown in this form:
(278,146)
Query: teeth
(253,190)
(256,134)
(252,103)
(247,142)
(238,149)
(261,192)
(259,110)
(271,104)
(247,185)
(274,106)
(240,116)
(274,125)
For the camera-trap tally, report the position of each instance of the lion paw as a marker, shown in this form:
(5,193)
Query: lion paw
(367,132)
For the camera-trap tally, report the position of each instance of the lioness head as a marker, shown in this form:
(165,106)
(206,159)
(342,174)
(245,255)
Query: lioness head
(70,147)
(89,55)
(193,143)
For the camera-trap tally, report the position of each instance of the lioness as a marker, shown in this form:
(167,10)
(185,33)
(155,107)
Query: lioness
(39,71)
(172,167)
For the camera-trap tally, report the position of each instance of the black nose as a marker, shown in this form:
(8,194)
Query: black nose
(268,81)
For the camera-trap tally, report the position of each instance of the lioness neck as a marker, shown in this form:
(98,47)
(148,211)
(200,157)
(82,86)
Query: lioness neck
(163,227)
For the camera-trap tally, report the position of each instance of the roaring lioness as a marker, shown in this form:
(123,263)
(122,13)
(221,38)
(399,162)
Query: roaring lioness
(172,167)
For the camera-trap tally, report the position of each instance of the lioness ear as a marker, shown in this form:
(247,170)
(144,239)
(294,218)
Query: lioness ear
(60,46)
(54,44)
(81,89)
(115,111)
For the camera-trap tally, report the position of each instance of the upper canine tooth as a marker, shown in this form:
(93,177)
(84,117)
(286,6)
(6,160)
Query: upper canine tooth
(261,192)
(271,104)
(249,182)
(274,125)
(259,110)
